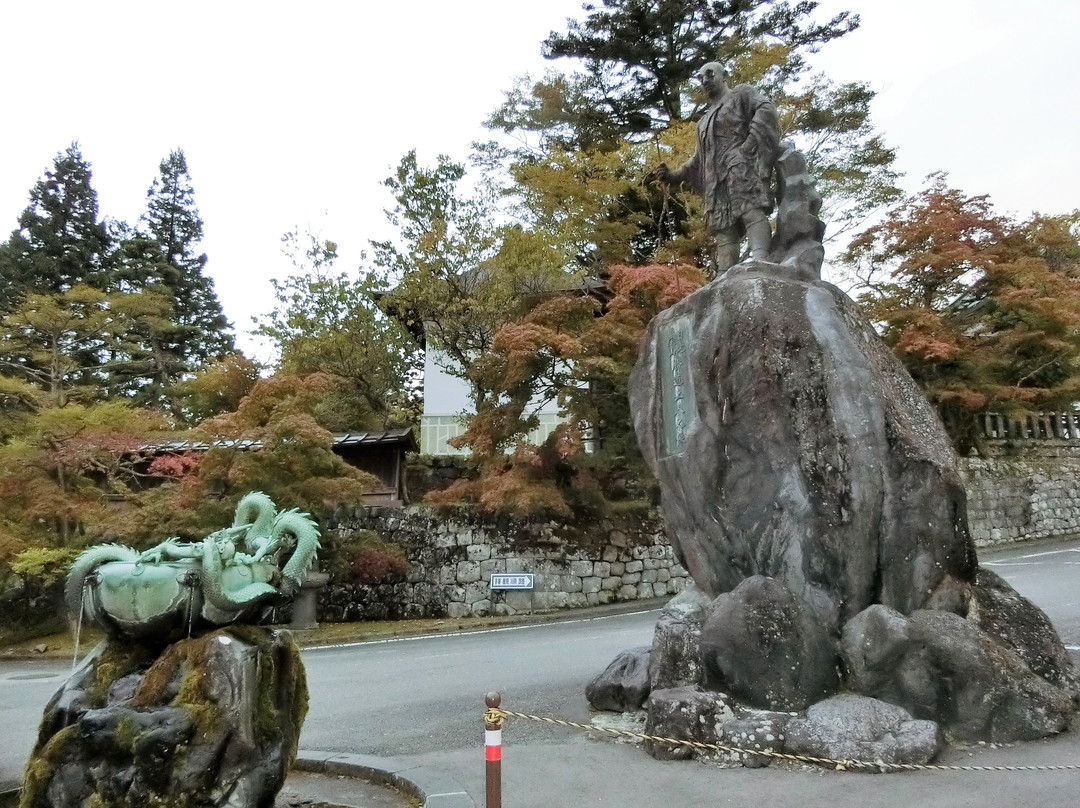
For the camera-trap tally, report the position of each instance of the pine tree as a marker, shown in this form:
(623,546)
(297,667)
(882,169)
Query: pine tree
(59,242)
(172,221)
(639,56)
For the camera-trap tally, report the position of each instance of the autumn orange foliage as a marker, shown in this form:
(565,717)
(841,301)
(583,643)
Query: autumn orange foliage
(983,310)
(576,349)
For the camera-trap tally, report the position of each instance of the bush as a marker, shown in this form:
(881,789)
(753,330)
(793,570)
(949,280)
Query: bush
(32,592)
(365,558)
(43,567)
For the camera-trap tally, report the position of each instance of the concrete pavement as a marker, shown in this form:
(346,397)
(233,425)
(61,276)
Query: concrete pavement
(362,706)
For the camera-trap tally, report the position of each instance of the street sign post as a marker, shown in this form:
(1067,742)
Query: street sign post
(512,580)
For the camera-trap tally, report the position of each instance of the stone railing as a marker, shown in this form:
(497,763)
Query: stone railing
(1044,434)
(1035,426)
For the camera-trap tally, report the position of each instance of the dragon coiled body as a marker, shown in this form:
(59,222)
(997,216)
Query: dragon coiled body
(143,594)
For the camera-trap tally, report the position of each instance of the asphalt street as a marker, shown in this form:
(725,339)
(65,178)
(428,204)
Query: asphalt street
(420,700)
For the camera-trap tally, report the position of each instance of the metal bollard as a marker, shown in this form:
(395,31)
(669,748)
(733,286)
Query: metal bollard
(493,750)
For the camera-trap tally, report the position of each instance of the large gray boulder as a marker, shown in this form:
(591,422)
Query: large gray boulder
(851,727)
(812,492)
(941,667)
(1023,627)
(207,721)
(675,660)
(790,443)
(754,735)
(684,714)
(763,646)
(623,685)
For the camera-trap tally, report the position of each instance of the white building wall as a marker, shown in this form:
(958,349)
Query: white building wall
(446,399)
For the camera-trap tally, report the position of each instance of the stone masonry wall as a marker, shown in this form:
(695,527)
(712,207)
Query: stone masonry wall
(1022,498)
(451,559)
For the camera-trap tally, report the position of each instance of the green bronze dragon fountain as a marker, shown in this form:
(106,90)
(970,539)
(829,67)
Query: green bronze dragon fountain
(231,575)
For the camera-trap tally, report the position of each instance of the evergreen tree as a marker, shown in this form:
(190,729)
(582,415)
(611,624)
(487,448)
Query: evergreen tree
(172,221)
(639,56)
(59,242)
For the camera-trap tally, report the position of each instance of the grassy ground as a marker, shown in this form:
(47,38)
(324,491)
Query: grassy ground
(62,644)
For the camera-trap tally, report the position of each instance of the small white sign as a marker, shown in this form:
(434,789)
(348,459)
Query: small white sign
(513,580)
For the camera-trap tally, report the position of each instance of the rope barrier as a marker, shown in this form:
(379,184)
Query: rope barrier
(496,715)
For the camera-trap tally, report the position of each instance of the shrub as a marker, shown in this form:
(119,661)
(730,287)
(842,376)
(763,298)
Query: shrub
(365,558)
(32,592)
(44,566)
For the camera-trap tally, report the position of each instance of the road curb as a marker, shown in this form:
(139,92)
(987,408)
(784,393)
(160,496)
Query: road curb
(433,787)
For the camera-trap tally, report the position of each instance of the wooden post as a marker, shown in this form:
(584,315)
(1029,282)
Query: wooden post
(493,751)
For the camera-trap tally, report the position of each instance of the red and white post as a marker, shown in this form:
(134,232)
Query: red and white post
(493,750)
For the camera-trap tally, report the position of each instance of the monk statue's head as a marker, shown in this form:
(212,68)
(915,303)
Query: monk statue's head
(713,78)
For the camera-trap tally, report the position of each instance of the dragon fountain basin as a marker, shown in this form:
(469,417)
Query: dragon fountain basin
(232,575)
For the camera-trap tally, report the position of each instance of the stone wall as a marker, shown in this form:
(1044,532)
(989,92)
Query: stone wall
(1022,498)
(451,559)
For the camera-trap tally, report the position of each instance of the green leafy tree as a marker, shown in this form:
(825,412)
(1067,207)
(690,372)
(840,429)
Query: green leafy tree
(457,277)
(983,310)
(326,322)
(75,344)
(217,388)
(630,105)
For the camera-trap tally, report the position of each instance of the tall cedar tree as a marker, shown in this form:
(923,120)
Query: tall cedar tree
(172,221)
(50,267)
(59,242)
(144,365)
(630,106)
(983,310)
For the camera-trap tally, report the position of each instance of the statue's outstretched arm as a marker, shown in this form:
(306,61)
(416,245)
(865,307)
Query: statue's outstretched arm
(686,174)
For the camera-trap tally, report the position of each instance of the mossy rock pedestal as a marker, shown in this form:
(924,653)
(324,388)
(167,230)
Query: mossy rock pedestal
(212,720)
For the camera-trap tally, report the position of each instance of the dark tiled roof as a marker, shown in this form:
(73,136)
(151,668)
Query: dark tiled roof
(386,437)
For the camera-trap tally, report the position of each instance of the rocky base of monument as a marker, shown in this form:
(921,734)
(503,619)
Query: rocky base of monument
(737,671)
(814,496)
(212,720)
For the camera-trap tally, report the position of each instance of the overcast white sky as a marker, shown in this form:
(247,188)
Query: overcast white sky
(292,113)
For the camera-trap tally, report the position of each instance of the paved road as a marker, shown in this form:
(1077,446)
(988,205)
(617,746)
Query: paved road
(425,695)
(1050,576)
(420,699)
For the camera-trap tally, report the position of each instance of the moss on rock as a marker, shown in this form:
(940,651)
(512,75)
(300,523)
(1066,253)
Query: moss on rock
(206,720)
